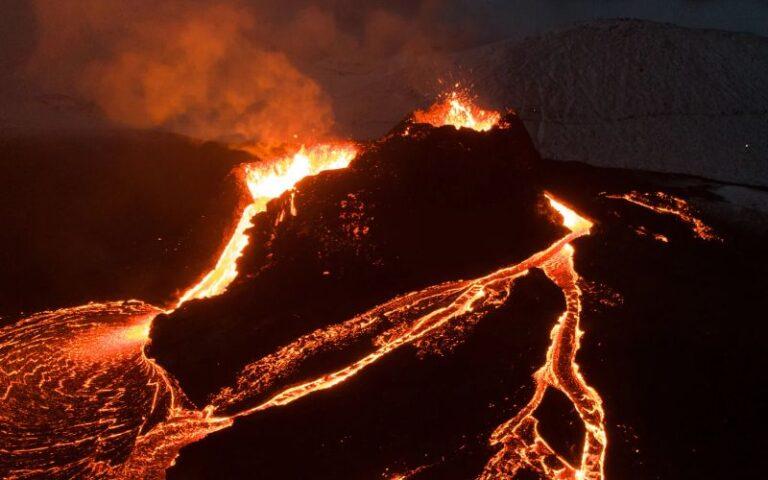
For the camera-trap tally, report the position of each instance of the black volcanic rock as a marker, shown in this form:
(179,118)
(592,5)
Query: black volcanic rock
(412,211)
(401,413)
(673,334)
(109,216)
(674,340)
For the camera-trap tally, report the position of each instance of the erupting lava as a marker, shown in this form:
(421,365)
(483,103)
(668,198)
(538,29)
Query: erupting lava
(457,109)
(266,182)
(79,398)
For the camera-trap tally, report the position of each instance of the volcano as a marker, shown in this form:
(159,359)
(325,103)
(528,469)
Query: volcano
(441,303)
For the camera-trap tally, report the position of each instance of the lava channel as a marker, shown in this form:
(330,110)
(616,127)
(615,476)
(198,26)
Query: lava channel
(76,383)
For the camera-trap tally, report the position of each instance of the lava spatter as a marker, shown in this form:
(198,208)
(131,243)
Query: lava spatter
(457,109)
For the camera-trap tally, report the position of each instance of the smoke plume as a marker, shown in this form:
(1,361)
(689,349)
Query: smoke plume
(226,70)
(183,66)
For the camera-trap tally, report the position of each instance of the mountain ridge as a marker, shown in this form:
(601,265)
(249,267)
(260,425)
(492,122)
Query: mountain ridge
(620,93)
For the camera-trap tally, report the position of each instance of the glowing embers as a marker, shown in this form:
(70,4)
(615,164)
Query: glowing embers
(665,203)
(265,183)
(458,109)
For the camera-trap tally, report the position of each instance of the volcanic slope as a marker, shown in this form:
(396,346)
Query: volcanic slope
(425,206)
(447,306)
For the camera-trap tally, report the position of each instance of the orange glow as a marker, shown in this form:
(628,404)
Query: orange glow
(458,109)
(278,177)
(216,281)
(105,342)
(665,203)
(571,220)
(265,183)
(93,356)
(419,314)
(521,444)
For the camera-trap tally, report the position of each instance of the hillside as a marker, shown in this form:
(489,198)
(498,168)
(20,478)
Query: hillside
(624,93)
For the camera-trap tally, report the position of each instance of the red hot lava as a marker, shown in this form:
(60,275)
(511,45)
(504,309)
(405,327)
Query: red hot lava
(75,383)
(456,108)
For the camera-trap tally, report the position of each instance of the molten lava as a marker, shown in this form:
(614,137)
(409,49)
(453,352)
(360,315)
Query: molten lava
(79,397)
(89,361)
(458,109)
(402,321)
(667,204)
(265,183)
(271,181)
(521,444)
(411,317)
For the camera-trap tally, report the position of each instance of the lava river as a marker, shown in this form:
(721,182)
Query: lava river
(80,399)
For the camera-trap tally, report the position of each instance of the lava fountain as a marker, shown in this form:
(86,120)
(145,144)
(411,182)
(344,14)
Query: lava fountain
(456,108)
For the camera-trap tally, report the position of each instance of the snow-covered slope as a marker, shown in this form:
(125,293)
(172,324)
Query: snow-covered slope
(623,93)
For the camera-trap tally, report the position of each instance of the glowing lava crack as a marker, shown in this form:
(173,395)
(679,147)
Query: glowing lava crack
(413,316)
(76,385)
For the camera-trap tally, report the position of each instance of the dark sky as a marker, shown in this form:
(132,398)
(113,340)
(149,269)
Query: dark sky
(499,18)
(213,68)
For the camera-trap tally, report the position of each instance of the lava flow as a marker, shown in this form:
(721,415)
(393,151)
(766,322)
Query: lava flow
(56,364)
(75,383)
(521,444)
(95,353)
(412,317)
(80,399)
(667,204)
(265,183)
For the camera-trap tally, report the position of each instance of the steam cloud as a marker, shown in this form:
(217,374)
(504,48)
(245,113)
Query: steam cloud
(235,70)
(216,69)
(187,67)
